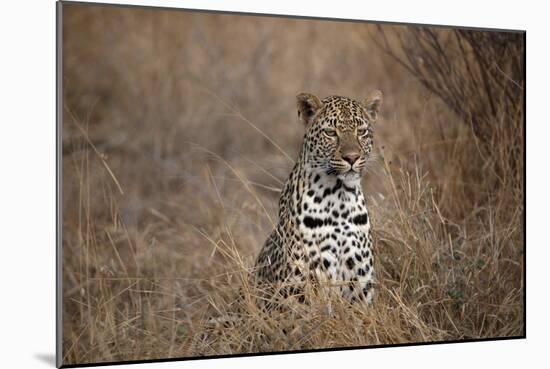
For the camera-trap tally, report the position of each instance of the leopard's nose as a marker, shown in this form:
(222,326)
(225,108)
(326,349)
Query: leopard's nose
(351,157)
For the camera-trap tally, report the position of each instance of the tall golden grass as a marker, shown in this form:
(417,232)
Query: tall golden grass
(178,131)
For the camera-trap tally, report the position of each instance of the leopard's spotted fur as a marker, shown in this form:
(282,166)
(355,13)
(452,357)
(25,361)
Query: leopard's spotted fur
(324,229)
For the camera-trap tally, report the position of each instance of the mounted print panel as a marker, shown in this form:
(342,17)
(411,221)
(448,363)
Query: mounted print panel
(238,184)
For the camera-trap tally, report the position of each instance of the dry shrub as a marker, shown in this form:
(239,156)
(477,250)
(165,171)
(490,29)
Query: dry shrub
(179,129)
(479,75)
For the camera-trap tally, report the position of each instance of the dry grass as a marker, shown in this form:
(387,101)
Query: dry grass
(179,129)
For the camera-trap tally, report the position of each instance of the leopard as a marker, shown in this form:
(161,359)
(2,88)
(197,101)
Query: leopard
(323,230)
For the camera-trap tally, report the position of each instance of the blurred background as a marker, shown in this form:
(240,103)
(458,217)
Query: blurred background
(179,129)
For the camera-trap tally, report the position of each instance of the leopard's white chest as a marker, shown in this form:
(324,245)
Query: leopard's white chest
(334,226)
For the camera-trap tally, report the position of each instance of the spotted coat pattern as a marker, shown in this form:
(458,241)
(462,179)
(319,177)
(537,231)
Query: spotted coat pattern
(324,230)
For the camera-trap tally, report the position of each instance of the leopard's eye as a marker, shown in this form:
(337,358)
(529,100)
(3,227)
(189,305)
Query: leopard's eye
(361,132)
(330,132)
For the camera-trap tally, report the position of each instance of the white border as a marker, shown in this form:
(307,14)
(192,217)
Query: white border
(27,200)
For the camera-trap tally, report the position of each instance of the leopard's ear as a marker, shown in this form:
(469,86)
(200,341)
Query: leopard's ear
(308,105)
(372,104)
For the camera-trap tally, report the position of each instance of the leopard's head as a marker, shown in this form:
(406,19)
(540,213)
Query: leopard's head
(339,132)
